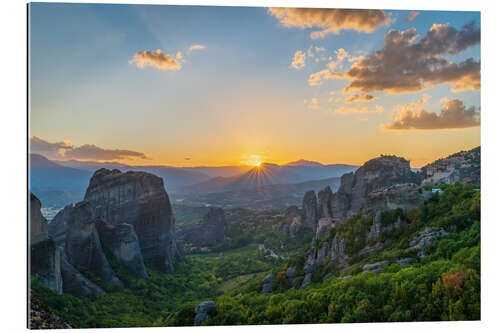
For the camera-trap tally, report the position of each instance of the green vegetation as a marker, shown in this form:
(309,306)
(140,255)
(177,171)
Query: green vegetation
(443,285)
(150,302)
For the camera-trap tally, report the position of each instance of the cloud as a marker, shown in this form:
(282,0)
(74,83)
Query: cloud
(313,104)
(453,115)
(412,16)
(359,109)
(331,20)
(156,59)
(404,65)
(299,60)
(196,47)
(360,98)
(66,150)
(93,152)
(341,55)
(179,56)
(48,149)
(317,78)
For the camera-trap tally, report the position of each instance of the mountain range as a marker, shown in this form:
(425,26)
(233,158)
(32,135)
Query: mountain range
(58,183)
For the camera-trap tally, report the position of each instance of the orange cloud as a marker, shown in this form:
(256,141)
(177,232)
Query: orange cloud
(453,115)
(196,47)
(156,59)
(412,16)
(331,20)
(359,109)
(299,60)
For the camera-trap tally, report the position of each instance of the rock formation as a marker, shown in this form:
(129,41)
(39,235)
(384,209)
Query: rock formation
(83,246)
(310,209)
(202,311)
(44,256)
(209,232)
(404,196)
(375,175)
(293,221)
(75,283)
(138,199)
(123,242)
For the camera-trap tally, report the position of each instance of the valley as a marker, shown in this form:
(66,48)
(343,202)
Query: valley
(379,243)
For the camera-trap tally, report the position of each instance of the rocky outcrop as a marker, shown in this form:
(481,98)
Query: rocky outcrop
(44,256)
(310,209)
(83,246)
(325,202)
(123,243)
(202,312)
(138,199)
(293,221)
(210,232)
(404,196)
(268,284)
(75,283)
(291,274)
(40,316)
(375,267)
(426,237)
(375,175)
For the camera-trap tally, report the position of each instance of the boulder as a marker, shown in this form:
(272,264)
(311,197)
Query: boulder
(268,284)
(291,273)
(138,199)
(123,242)
(375,267)
(202,311)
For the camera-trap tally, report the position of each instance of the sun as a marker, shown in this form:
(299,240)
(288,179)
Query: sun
(257,164)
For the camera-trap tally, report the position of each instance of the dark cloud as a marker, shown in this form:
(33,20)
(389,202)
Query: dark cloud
(453,115)
(93,152)
(405,65)
(66,150)
(48,149)
(331,20)
(360,98)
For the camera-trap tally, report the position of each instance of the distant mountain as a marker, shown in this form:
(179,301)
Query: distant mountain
(276,196)
(221,171)
(47,174)
(304,163)
(270,174)
(173,177)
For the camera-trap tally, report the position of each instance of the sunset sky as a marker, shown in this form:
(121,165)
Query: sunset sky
(190,86)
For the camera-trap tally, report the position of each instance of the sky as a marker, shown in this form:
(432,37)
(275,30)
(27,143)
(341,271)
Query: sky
(194,85)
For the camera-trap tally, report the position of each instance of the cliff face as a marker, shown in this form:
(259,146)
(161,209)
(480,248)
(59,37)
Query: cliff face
(138,199)
(209,232)
(374,175)
(45,257)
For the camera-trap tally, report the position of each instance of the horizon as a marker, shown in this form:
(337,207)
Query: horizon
(193,86)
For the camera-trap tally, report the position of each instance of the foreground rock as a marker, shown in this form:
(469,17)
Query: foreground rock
(45,257)
(123,242)
(40,317)
(202,311)
(83,246)
(138,199)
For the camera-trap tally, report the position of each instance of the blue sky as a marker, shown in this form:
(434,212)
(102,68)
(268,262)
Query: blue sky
(237,97)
